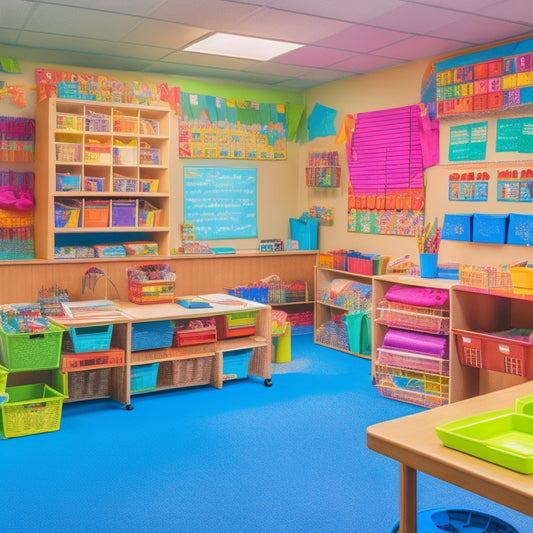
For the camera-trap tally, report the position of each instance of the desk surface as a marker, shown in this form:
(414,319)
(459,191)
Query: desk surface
(412,441)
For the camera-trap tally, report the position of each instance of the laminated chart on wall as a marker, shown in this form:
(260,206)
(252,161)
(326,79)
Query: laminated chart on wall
(496,78)
(386,165)
(468,142)
(229,128)
(220,202)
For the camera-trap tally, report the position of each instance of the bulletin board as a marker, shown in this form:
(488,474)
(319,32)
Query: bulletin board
(220,202)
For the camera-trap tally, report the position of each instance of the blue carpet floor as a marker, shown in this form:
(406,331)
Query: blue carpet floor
(290,458)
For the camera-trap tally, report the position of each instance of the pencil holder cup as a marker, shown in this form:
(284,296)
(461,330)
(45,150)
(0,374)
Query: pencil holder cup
(428,265)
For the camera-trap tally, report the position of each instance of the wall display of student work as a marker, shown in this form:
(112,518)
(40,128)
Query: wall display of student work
(388,153)
(212,127)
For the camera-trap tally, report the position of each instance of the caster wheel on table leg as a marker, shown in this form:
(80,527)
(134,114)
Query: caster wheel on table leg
(268,382)
(129,407)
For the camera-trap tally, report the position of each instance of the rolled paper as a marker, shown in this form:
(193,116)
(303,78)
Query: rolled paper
(424,296)
(412,341)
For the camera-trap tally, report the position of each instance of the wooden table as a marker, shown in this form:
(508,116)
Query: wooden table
(413,442)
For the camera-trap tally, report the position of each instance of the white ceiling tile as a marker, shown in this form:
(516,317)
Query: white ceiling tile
(163,34)
(217,15)
(14,13)
(131,7)
(512,10)
(480,30)
(80,22)
(352,11)
(361,63)
(278,69)
(467,6)
(62,42)
(291,27)
(419,47)
(208,60)
(416,18)
(8,37)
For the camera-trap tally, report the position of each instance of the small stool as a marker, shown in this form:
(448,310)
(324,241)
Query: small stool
(281,337)
(458,521)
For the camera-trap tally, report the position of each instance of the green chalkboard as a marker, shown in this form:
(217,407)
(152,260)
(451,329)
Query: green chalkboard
(220,202)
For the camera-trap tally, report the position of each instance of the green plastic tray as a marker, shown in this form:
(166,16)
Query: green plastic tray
(503,437)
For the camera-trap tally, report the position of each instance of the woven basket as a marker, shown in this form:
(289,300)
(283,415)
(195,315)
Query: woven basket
(89,384)
(186,372)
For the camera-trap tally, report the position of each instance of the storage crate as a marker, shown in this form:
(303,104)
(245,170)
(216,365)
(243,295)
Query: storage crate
(148,155)
(235,364)
(31,409)
(68,152)
(97,122)
(87,339)
(67,213)
(143,378)
(125,154)
(149,215)
(457,227)
(125,124)
(187,372)
(93,184)
(124,184)
(489,228)
(522,278)
(413,317)
(239,324)
(123,213)
(412,361)
(96,213)
(31,351)
(485,277)
(191,336)
(151,335)
(89,384)
(493,351)
(3,379)
(97,153)
(148,185)
(419,388)
(69,122)
(68,182)
(520,230)
(151,284)
(92,360)
(325,259)
(16,243)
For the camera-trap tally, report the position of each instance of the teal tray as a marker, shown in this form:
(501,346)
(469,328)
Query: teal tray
(503,437)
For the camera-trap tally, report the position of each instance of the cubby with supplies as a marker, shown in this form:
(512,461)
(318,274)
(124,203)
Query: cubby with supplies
(101,168)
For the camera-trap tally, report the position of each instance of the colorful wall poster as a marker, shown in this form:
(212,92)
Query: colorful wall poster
(220,202)
(227,128)
(514,135)
(386,165)
(468,142)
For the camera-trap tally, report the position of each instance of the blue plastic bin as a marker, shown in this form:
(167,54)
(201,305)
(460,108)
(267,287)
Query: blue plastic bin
(151,335)
(88,339)
(459,520)
(235,364)
(143,378)
(305,232)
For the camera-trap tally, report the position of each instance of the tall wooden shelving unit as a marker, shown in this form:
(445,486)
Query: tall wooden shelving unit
(65,146)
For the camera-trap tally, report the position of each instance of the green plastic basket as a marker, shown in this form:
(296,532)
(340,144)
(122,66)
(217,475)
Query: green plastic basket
(31,409)
(31,351)
(3,379)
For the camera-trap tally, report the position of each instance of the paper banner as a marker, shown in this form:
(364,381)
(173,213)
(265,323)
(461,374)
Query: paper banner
(321,122)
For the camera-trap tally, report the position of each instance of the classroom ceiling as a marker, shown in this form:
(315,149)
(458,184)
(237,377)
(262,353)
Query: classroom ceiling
(341,38)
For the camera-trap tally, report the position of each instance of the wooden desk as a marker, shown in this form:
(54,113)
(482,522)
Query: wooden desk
(413,442)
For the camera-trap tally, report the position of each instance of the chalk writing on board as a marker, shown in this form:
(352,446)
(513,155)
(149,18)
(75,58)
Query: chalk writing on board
(220,202)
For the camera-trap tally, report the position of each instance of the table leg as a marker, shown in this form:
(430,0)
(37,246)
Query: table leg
(407,499)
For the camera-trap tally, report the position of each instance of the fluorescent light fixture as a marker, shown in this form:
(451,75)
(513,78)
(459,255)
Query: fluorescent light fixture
(224,44)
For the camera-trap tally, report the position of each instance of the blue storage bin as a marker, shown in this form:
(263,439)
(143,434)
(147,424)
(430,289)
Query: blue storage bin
(305,232)
(143,378)
(457,227)
(235,364)
(520,230)
(87,339)
(151,335)
(442,519)
(489,228)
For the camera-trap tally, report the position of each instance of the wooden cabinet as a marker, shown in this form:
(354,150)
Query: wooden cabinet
(407,373)
(477,311)
(333,312)
(100,169)
(470,310)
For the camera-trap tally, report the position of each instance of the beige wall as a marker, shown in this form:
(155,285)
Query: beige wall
(390,88)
